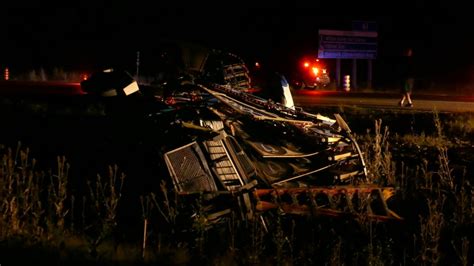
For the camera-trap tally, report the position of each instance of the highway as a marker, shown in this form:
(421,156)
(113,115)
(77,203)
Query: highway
(421,102)
(302,98)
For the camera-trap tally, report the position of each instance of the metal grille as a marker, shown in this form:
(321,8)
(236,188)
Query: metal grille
(237,76)
(223,165)
(247,166)
(188,169)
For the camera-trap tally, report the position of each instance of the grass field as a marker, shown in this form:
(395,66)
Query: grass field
(77,188)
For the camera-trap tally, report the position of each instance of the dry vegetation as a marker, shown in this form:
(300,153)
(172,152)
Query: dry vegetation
(40,211)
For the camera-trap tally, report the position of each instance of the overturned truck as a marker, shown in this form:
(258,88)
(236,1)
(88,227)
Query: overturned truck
(272,157)
(249,156)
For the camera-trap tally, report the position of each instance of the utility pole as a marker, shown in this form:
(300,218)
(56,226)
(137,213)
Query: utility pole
(354,73)
(369,75)
(138,65)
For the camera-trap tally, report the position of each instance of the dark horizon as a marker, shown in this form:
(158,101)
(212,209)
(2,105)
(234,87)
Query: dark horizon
(87,38)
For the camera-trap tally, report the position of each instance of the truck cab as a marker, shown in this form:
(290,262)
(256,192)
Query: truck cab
(310,73)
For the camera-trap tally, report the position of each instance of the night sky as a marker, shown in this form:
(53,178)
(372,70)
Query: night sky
(87,34)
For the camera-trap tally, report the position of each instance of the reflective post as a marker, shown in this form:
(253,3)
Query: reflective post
(347,83)
(6,74)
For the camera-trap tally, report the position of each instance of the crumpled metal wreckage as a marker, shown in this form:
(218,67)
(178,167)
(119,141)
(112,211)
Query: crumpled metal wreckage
(264,155)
